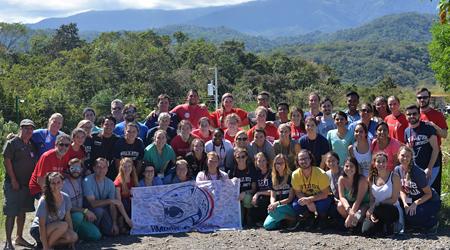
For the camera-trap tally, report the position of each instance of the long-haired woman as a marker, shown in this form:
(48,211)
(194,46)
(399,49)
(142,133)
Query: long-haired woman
(353,195)
(125,180)
(52,225)
(384,209)
(212,172)
(281,195)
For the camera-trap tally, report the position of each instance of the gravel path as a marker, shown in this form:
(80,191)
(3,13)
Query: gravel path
(262,239)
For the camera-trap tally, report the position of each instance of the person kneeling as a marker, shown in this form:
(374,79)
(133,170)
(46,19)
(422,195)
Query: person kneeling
(52,225)
(82,218)
(281,195)
(99,191)
(312,188)
(353,195)
(421,203)
(125,180)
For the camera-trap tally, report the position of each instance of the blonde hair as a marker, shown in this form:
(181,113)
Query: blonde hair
(121,175)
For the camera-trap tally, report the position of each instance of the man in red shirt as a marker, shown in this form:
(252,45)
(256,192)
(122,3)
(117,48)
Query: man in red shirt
(191,111)
(437,120)
(396,121)
(51,161)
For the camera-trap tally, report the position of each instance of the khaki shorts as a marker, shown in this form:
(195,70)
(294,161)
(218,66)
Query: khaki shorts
(17,202)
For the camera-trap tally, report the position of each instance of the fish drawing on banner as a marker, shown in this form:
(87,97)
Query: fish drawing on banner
(186,206)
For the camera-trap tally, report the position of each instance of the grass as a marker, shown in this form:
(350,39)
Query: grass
(445,210)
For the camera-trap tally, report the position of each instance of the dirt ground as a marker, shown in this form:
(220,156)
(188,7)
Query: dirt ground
(262,239)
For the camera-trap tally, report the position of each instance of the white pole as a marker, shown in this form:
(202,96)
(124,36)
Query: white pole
(216,87)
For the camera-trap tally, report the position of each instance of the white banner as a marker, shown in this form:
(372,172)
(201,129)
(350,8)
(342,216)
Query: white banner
(203,206)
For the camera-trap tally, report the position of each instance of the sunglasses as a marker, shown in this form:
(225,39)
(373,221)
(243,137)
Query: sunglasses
(412,114)
(64,145)
(116,108)
(241,138)
(241,157)
(422,97)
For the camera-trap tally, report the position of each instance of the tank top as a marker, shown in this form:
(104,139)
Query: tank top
(364,160)
(384,192)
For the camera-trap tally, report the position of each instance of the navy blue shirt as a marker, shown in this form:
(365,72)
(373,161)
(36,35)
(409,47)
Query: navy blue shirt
(247,177)
(123,149)
(263,181)
(419,139)
(318,147)
(418,181)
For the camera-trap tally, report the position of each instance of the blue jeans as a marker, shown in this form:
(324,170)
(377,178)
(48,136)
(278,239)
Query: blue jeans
(322,206)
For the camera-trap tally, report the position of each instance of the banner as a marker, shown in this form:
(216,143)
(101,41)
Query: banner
(190,206)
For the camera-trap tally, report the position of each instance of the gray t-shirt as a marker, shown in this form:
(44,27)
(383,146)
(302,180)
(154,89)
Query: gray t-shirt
(101,190)
(325,125)
(74,190)
(23,157)
(42,211)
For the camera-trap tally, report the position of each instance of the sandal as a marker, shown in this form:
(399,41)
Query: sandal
(23,243)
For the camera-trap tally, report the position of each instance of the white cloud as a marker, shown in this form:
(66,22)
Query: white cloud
(27,11)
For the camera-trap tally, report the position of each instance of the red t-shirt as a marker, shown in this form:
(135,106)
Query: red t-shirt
(218,117)
(198,134)
(271,133)
(437,118)
(71,154)
(193,113)
(229,137)
(48,162)
(397,126)
(391,150)
(296,132)
(118,184)
(180,147)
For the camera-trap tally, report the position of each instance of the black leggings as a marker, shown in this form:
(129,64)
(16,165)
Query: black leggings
(259,213)
(386,214)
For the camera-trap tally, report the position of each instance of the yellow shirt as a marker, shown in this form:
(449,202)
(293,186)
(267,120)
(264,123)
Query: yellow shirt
(317,182)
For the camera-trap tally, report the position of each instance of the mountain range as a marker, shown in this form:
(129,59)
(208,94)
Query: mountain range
(269,18)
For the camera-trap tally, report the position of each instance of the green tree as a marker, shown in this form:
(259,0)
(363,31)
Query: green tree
(11,34)
(66,38)
(440,54)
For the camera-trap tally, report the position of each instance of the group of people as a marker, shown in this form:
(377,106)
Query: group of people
(370,168)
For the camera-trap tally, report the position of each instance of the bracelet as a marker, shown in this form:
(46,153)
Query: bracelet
(279,203)
(85,211)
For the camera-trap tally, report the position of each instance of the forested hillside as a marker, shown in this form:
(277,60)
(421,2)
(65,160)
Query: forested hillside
(63,73)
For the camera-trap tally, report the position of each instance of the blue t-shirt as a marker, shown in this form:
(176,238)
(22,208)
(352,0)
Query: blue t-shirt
(418,181)
(419,139)
(372,133)
(353,118)
(156,182)
(318,147)
(42,211)
(325,125)
(120,130)
(102,190)
(308,114)
(43,140)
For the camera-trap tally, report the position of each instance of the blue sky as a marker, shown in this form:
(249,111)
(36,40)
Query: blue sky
(30,11)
